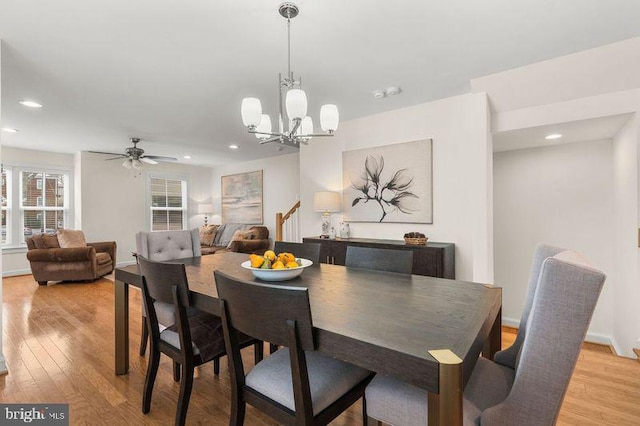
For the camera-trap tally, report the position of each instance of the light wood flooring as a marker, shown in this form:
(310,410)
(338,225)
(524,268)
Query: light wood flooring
(58,343)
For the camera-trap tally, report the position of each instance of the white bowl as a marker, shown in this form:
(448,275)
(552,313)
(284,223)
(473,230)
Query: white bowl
(277,274)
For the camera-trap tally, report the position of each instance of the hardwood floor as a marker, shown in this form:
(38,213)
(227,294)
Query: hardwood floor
(58,342)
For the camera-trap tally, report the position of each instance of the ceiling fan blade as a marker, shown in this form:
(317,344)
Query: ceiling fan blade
(148,160)
(119,157)
(160,158)
(106,153)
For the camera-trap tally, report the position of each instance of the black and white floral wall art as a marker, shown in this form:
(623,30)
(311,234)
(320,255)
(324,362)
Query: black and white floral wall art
(391,183)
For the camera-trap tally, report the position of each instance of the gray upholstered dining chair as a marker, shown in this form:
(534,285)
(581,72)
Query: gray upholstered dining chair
(387,260)
(295,385)
(161,246)
(309,251)
(525,385)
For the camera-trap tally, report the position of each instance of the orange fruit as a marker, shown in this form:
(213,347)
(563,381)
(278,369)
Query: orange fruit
(256,261)
(277,265)
(291,265)
(269,254)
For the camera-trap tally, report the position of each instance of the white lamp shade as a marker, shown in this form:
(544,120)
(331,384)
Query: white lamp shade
(264,127)
(215,219)
(306,127)
(296,103)
(251,111)
(329,117)
(326,201)
(205,208)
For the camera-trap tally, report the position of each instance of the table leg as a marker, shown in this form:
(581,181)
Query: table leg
(445,407)
(122,327)
(494,342)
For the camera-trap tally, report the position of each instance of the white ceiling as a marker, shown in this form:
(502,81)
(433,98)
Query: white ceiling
(174,73)
(595,129)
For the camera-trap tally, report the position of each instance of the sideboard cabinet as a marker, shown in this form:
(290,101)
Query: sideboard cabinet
(432,259)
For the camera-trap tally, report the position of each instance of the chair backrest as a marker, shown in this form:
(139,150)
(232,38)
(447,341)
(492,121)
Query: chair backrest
(309,251)
(263,310)
(388,260)
(166,283)
(167,245)
(567,291)
(542,252)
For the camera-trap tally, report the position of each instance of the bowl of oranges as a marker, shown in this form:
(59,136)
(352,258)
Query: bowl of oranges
(276,267)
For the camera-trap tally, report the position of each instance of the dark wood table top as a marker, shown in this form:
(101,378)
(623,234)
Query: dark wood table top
(386,322)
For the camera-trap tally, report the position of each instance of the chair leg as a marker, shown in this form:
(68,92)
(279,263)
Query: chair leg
(272,348)
(152,371)
(144,336)
(258,351)
(176,371)
(216,366)
(237,412)
(185,394)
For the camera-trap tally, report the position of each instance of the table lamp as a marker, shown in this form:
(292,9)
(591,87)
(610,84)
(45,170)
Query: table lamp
(326,202)
(206,210)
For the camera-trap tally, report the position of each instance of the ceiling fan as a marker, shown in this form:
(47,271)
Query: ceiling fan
(135,156)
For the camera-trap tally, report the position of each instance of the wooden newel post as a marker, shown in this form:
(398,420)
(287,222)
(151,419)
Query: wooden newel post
(279,226)
(445,407)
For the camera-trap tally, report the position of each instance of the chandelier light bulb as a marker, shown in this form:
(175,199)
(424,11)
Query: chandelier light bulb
(306,127)
(264,128)
(296,103)
(251,111)
(329,117)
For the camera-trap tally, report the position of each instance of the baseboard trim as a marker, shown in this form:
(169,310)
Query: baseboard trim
(595,338)
(16,272)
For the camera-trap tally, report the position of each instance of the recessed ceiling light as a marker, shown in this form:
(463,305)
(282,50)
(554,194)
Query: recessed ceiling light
(9,130)
(187,157)
(31,104)
(553,136)
(233,146)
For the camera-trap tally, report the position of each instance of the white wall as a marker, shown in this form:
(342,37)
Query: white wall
(606,69)
(595,83)
(560,195)
(624,278)
(462,200)
(280,184)
(114,201)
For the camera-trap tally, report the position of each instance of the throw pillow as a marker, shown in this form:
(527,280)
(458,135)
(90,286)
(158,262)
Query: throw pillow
(68,238)
(241,235)
(208,234)
(227,234)
(46,241)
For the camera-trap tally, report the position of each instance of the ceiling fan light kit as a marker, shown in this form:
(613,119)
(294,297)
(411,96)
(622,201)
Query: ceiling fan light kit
(134,156)
(296,126)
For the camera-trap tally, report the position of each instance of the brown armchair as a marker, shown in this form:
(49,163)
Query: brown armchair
(50,262)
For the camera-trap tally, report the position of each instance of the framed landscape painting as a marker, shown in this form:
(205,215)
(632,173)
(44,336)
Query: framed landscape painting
(391,183)
(242,198)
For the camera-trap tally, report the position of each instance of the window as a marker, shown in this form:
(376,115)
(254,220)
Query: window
(43,205)
(168,204)
(33,201)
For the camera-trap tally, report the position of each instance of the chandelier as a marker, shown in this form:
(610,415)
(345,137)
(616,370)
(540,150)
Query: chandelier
(296,126)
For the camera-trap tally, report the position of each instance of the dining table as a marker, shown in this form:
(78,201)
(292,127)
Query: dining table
(426,331)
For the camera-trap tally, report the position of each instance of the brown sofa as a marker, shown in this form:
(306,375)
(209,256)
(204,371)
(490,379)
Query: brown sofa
(50,262)
(234,237)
